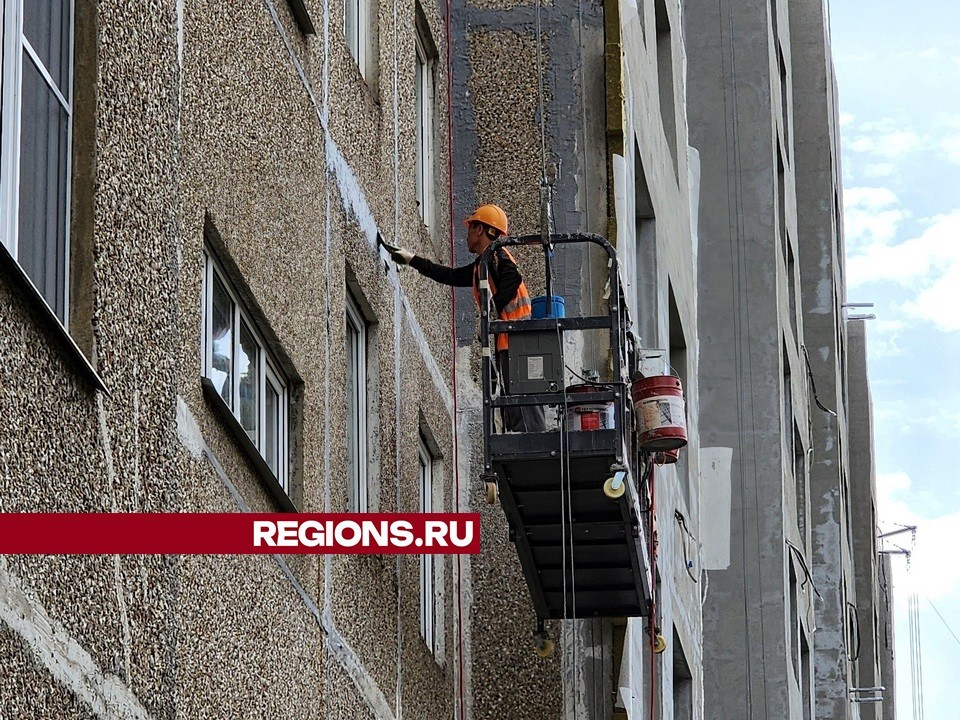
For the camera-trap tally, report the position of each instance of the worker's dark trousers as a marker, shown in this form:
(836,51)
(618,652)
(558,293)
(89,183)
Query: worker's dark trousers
(526,418)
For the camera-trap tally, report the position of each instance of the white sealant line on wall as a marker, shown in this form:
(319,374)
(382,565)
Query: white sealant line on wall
(192,438)
(271,8)
(354,201)
(361,678)
(64,658)
(355,206)
(117,579)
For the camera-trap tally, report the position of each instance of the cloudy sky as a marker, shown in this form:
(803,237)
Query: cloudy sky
(898,66)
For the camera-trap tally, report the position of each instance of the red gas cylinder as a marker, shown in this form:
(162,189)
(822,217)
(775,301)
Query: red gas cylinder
(659,405)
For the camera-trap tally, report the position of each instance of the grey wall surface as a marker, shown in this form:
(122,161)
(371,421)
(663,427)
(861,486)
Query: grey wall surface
(870,635)
(834,511)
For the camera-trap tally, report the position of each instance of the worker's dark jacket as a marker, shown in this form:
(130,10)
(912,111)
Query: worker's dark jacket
(510,296)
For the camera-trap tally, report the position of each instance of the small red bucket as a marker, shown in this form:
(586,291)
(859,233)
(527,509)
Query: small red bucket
(589,416)
(659,405)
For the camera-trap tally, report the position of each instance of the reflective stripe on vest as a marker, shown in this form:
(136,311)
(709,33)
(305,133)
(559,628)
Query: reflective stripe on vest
(516,309)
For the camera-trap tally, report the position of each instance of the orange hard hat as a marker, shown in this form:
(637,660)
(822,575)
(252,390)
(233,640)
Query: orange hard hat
(491,215)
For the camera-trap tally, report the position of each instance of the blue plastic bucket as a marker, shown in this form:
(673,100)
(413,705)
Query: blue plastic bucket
(541,310)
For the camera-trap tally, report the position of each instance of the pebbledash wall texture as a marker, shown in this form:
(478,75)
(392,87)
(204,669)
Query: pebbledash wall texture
(225,129)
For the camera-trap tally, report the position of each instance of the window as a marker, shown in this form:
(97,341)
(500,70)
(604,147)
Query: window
(668,111)
(646,233)
(793,598)
(356,340)
(682,681)
(679,364)
(428,606)
(35,143)
(244,373)
(424,92)
(356,30)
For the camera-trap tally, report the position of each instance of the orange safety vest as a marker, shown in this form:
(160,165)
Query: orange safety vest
(516,309)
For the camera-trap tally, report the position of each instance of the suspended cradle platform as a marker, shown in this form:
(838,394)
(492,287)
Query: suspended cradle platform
(599,540)
(583,553)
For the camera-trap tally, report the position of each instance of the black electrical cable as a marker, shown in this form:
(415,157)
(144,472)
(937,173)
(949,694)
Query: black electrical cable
(813,384)
(806,570)
(682,522)
(856,626)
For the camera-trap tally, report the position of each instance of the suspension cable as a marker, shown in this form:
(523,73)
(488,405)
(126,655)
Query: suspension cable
(540,104)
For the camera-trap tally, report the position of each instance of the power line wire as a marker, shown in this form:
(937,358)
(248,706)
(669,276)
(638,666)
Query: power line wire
(949,629)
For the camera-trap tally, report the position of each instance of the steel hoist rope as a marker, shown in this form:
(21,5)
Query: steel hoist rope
(566,517)
(566,513)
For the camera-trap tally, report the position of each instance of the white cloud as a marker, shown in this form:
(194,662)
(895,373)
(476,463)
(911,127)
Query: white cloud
(892,144)
(931,53)
(869,198)
(934,571)
(940,302)
(884,337)
(890,485)
(865,229)
(878,170)
(846,119)
(951,146)
(872,217)
(921,263)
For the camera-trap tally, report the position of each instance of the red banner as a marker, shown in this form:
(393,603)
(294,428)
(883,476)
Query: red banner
(238,533)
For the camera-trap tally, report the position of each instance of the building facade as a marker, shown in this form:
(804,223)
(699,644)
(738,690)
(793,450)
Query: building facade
(198,316)
(783,626)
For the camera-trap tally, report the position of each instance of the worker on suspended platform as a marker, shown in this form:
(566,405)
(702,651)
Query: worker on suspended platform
(487,224)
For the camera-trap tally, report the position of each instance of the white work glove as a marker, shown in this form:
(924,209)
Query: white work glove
(401,256)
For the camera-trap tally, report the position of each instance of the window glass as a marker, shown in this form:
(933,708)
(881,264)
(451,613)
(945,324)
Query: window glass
(428,608)
(271,426)
(248,367)
(42,218)
(351,27)
(423,99)
(244,372)
(419,93)
(46,25)
(353,412)
(222,341)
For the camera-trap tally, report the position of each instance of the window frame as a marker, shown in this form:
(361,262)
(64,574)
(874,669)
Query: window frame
(358,456)
(13,45)
(358,41)
(428,576)
(269,370)
(425,121)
